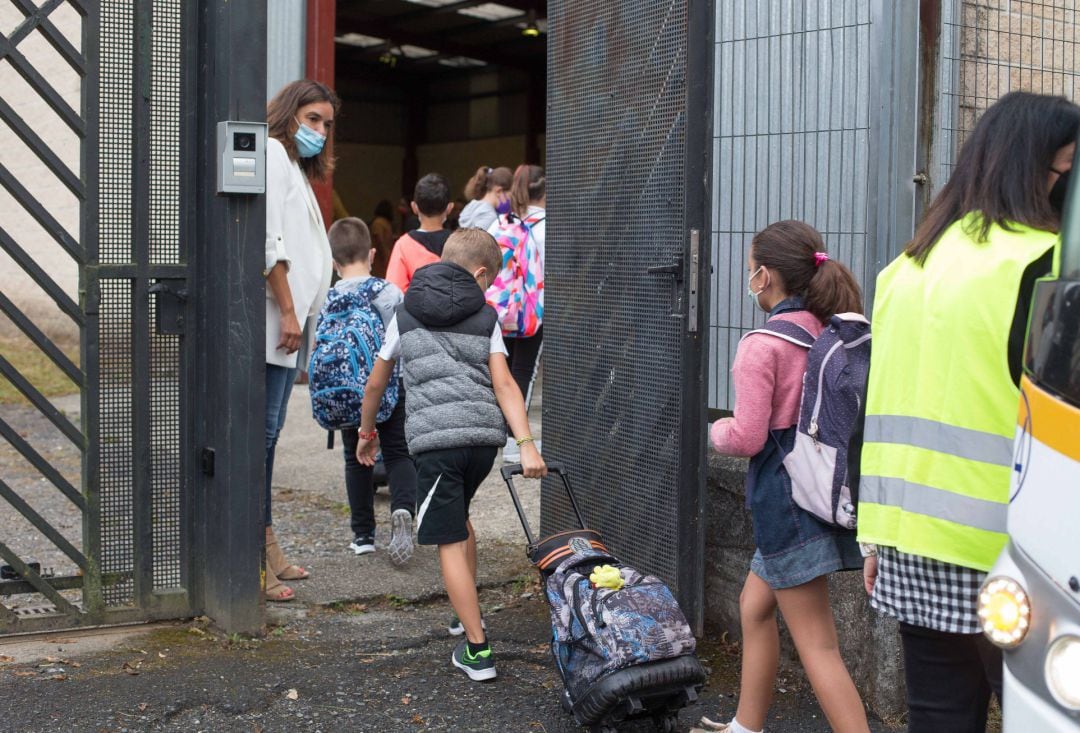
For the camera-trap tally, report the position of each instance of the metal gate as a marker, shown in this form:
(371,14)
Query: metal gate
(629,85)
(130,160)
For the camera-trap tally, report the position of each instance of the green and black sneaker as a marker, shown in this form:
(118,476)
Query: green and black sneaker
(479,665)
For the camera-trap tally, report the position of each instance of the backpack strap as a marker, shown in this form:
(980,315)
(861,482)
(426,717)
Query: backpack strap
(791,332)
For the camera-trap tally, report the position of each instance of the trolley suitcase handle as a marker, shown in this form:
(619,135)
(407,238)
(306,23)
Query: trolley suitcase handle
(508,473)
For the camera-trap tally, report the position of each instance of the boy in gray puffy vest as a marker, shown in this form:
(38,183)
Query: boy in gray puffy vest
(460,396)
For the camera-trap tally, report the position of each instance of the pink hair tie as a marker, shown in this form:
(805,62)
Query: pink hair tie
(820,257)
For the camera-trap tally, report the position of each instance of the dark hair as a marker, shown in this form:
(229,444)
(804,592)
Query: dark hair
(473,247)
(488,179)
(431,195)
(384,209)
(1002,169)
(529,186)
(350,240)
(282,125)
(790,250)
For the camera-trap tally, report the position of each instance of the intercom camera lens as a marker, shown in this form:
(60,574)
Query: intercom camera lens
(244,141)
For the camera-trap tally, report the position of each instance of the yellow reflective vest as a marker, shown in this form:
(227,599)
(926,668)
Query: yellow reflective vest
(941,402)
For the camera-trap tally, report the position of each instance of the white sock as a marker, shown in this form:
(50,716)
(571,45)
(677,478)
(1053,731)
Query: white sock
(737,727)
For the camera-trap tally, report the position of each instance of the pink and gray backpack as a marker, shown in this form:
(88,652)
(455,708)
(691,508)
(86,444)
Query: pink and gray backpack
(834,387)
(517,293)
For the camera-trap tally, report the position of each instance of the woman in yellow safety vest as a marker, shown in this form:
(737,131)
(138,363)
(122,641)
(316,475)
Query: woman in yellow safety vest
(949,320)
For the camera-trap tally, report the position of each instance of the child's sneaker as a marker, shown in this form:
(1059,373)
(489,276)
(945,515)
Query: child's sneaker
(362,544)
(401,541)
(457,629)
(479,666)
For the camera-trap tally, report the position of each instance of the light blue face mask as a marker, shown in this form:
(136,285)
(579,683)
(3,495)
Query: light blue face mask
(308,142)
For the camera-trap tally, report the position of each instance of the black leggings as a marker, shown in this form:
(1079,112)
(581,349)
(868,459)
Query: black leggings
(524,358)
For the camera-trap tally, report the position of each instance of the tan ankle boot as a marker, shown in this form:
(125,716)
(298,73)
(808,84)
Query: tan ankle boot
(276,562)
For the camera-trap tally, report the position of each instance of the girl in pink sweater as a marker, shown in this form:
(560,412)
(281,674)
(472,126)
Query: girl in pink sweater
(792,279)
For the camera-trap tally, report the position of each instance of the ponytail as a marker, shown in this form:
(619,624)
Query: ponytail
(833,290)
(795,252)
(477,185)
(486,180)
(529,187)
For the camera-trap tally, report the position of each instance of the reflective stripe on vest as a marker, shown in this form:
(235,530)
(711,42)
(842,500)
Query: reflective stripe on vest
(941,403)
(974,445)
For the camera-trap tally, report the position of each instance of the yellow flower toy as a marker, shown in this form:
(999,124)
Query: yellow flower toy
(606,576)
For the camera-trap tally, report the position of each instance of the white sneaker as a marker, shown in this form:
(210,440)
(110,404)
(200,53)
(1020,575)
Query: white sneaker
(363,545)
(401,541)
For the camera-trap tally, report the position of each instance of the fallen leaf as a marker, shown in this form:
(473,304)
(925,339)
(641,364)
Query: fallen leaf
(161,655)
(25,674)
(6,658)
(130,668)
(142,707)
(58,677)
(406,700)
(417,719)
(292,694)
(196,630)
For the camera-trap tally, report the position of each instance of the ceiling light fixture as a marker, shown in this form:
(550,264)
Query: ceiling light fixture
(531,30)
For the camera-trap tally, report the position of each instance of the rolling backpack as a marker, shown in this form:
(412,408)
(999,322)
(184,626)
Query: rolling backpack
(348,337)
(834,387)
(517,293)
(597,631)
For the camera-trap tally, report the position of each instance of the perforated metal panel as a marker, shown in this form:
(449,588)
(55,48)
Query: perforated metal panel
(166,478)
(115,140)
(615,351)
(792,123)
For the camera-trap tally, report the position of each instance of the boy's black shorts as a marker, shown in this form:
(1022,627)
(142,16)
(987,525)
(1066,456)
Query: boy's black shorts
(446,482)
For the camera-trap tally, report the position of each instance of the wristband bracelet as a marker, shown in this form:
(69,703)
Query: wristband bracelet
(867,549)
(522,441)
(367,436)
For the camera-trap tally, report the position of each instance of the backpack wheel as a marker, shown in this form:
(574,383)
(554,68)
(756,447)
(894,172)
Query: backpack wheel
(667,723)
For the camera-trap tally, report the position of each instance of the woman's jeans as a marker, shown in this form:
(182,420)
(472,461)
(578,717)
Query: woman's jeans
(279,384)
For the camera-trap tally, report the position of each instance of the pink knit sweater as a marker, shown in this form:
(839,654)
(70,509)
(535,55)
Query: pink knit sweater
(768,376)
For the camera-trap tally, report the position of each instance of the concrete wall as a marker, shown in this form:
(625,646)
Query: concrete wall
(36,178)
(868,641)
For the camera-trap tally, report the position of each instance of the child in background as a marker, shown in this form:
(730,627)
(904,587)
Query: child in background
(461,396)
(350,245)
(791,279)
(488,192)
(423,245)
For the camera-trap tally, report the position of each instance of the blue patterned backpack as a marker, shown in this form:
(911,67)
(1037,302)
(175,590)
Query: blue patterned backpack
(348,337)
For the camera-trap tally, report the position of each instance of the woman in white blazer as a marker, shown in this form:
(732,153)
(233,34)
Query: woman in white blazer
(298,265)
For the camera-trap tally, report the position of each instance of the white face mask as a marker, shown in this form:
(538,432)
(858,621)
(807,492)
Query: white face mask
(754,296)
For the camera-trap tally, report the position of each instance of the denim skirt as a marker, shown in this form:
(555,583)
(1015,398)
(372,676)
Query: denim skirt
(793,546)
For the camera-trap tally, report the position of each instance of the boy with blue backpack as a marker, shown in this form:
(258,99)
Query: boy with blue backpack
(351,330)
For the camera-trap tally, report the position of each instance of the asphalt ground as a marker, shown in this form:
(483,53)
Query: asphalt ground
(364,646)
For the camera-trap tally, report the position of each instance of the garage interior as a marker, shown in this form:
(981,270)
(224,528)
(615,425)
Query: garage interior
(440,86)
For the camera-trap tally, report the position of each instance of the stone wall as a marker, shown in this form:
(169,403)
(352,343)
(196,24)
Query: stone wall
(868,641)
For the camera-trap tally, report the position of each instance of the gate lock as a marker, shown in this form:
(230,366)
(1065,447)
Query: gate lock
(170,299)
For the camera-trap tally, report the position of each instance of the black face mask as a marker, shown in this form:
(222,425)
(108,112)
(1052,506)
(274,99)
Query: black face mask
(1059,191)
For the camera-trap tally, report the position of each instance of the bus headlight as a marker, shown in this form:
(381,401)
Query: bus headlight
(1063,671)
(1004,611)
